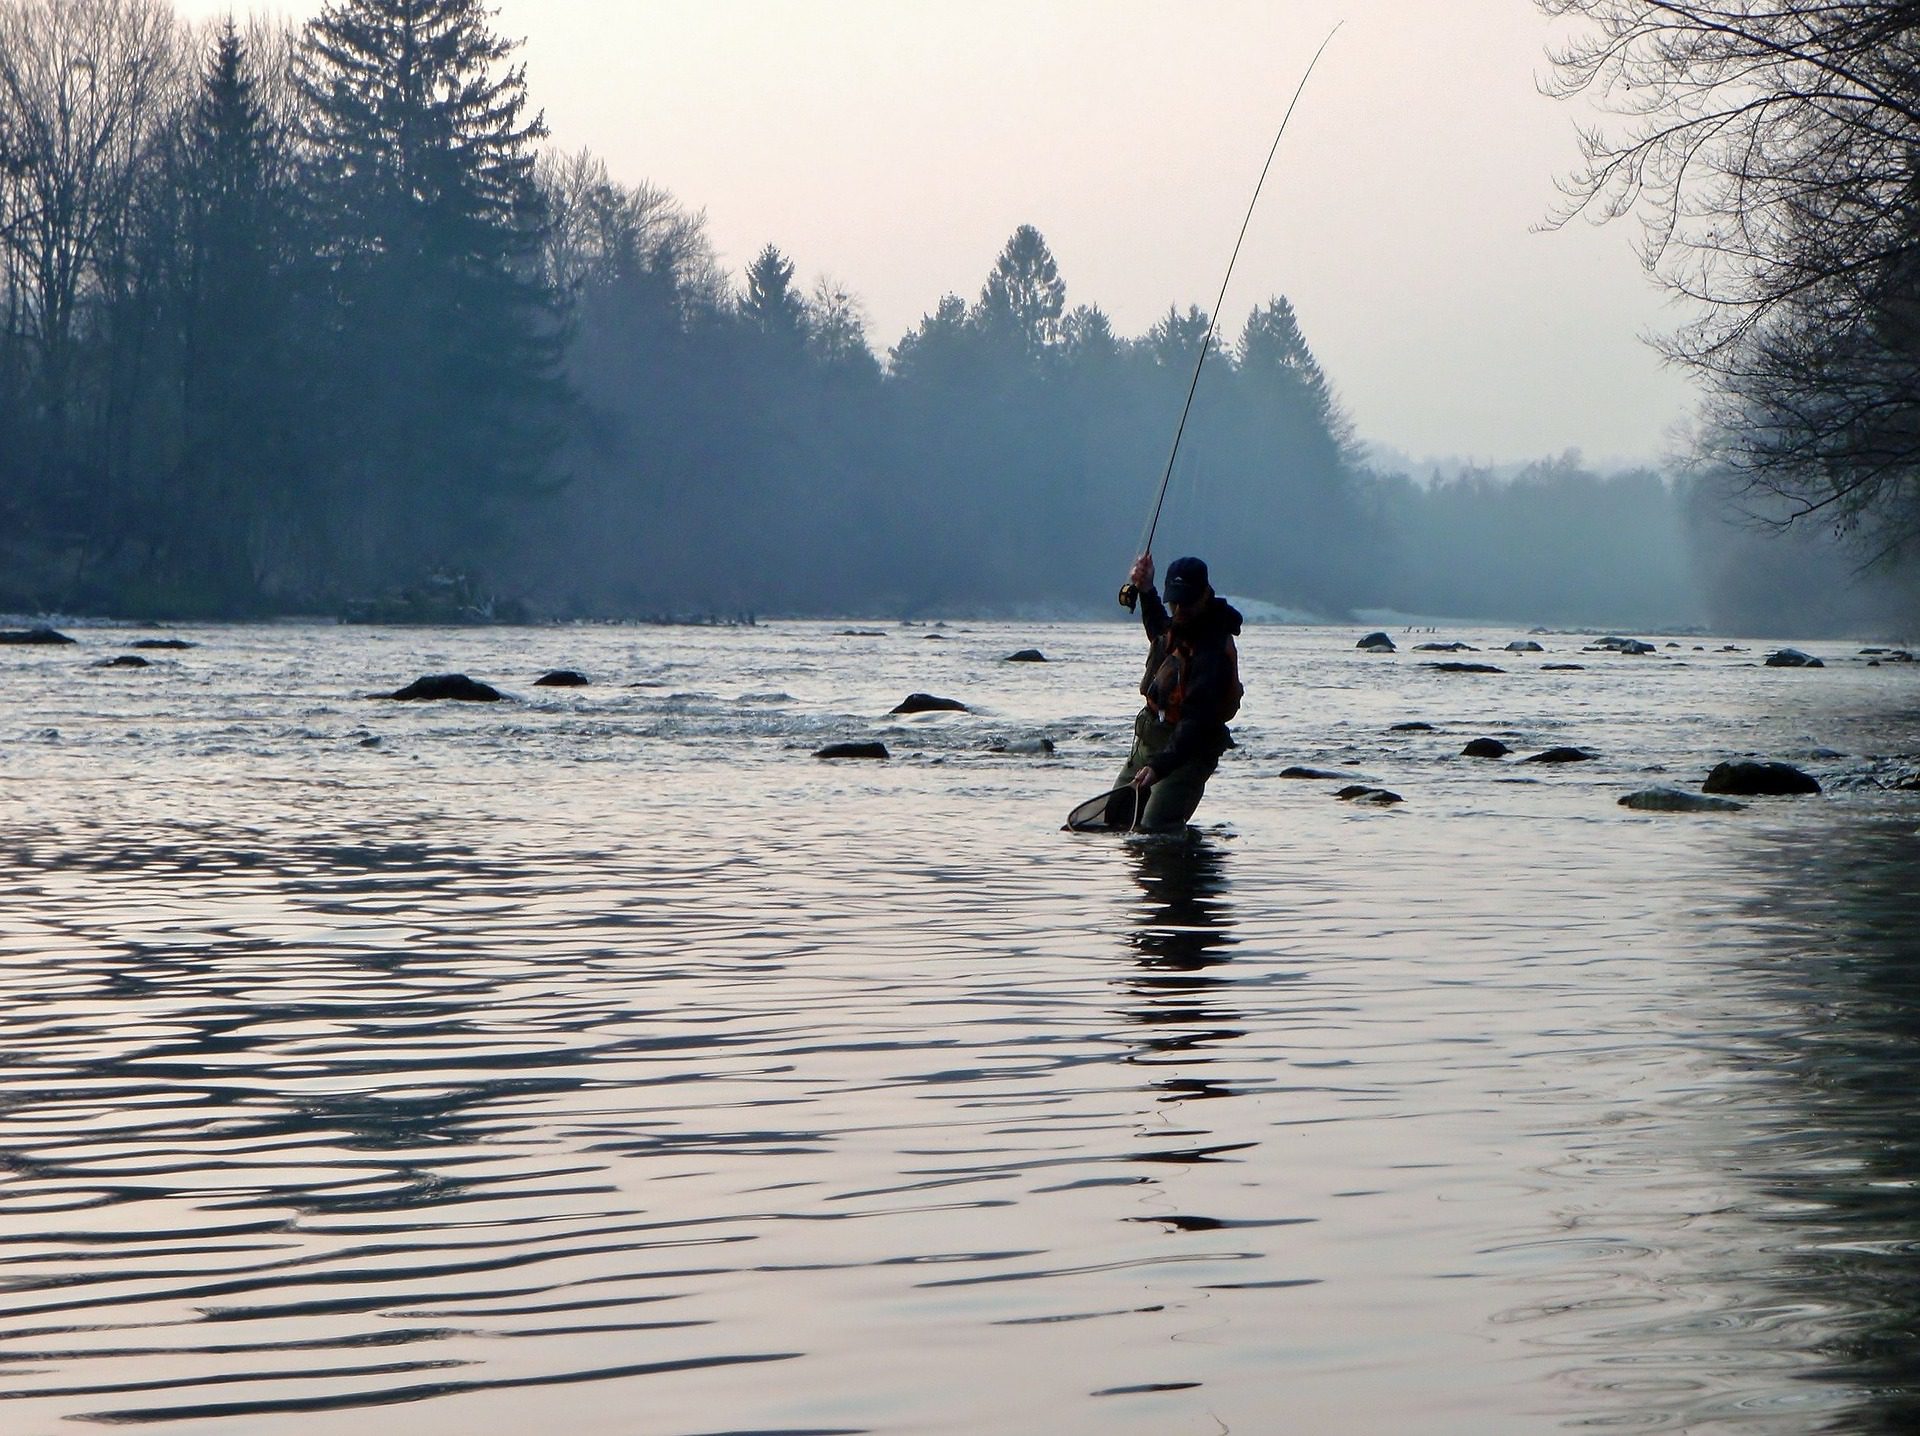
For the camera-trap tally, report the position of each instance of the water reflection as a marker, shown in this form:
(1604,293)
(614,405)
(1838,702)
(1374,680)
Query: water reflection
(1776,1221)
(1843,1177)
(1182,936)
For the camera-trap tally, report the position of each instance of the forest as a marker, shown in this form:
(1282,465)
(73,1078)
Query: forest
(319,320)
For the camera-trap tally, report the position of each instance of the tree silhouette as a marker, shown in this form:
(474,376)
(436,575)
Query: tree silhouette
(420,153)
(1024,295)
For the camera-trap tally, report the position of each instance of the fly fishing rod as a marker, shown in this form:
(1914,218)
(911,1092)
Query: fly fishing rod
(1129,595)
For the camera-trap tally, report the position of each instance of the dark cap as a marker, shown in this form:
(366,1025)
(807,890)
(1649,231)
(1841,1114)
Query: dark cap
(1186,580)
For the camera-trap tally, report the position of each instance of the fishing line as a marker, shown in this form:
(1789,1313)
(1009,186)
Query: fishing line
(1128,594)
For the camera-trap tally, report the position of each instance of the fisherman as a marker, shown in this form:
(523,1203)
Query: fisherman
(1192,688)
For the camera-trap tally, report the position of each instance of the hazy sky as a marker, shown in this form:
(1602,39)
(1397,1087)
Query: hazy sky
(895,144)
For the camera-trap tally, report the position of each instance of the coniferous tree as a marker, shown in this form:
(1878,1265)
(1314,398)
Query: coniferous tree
(238,323)
(447,342)
(771,305)
(1024,295)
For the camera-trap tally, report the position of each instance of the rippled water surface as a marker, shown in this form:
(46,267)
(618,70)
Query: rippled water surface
(600,1061)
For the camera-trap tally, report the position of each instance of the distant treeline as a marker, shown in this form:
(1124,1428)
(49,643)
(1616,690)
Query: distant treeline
(294,319)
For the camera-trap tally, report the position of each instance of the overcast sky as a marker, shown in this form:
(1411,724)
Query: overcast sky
(895,144)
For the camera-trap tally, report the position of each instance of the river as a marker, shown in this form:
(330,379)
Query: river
(600,1059)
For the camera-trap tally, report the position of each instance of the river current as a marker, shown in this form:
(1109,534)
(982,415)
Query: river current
(600,1060)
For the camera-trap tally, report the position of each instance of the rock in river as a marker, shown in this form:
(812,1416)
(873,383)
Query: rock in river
(1485,748)
(1792,658)
(39,634)
(1376,643)
(446,685)
(1027,655)
(1561,755)
(852,750)
(1323,774)
(1750,779)
(124,660)
(1677,800)
(1463,668)
(562,678)
(928,703)
(1524,645)
(1361,793)
(171,643)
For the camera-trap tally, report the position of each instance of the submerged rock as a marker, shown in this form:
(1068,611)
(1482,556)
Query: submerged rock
(168,643)
(1361,793)
(124,660)
(455,686)
(40,633)
(1751,780)
(853,750)
(928,703)
(1485,748)
(562,678)
(1464,668)
(859,633)
(1322,774)
(1376,642)
(1563,668)
(1561,755)
(1411,728)
(1027,655)
(1792,658)
(1613,644)
(1454,647)
(1524,645)
(1034,747)
(1662,799)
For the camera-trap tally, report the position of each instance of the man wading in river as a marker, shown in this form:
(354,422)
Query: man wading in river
(1192,688)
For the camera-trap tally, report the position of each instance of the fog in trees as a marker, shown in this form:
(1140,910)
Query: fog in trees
(315,319)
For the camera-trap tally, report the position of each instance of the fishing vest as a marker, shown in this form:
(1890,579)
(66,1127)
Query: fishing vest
(1165,684)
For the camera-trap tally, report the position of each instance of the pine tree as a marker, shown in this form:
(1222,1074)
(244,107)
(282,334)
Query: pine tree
(771,305)
(421,163)
(236,318)
(1024,296)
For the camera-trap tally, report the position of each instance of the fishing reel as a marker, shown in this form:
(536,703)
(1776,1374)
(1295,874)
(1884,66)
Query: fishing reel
(1129,597)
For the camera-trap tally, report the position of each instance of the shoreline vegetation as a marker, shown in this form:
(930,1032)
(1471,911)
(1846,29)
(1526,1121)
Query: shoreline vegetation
(278,357)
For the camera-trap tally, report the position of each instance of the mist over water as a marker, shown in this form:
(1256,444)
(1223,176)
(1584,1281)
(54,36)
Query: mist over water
(601,1059)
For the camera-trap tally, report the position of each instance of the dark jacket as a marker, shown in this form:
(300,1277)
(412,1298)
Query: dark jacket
(1195,668)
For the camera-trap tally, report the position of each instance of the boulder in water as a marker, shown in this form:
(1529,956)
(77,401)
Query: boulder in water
(1464,668)
(1411,728)
(928,703)
(1485,748)
(853,750)
(1563,668)
(562,678)
(124,660)
(168,643)
(1661,799)
(455,686)
(1792,658)
(1614,644)
(40,633)
(1455,647)
(1376,642)
(1361,793)
(1561,755)
(1749,779)
(1323,774)
(1027,655)
(1524,645)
